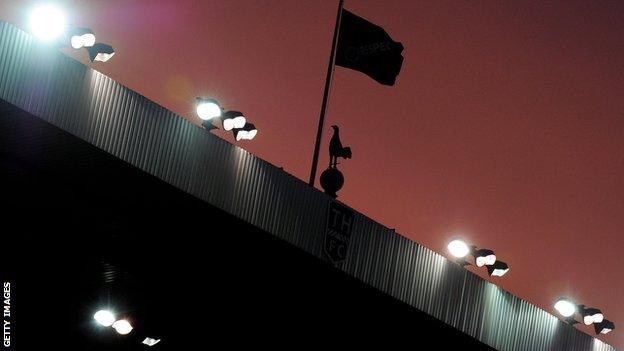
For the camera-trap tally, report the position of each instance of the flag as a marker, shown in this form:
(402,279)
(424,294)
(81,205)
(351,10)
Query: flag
(366,47)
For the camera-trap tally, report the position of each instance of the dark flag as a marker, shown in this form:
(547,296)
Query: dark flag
(362,46)
(366,47)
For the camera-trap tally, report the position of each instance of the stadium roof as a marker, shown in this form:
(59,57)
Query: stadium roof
(84,103)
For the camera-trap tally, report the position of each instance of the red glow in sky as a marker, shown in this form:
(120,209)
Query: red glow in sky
(506,124)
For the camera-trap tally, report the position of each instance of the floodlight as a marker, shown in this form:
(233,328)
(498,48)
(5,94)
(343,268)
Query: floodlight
(104,318)
(100,52)
(208,108)
(233,120)
(48,22)
(81,37)
(484,257)
(565,307)
(248,132)
(458,248)
(604,327)
(591,315)
(150,341)
(498,269)
(122,327)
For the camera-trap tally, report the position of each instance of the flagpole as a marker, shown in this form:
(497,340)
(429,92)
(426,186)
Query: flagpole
(330,70)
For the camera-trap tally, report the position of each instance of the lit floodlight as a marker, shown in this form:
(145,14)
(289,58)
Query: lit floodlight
(100,52)
(88,40)
(122,327)
(104,318)
(240,134)
(151,341)
(604,327)
(48,22)
(598,317)
(76,41)
(591,315)
(233,120)
(484,257)
(565,307)
(248,132)
(208,109)
(498,269)
(458,248)
(252,133)
(81,37)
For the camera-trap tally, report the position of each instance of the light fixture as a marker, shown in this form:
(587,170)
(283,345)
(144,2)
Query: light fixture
(48,22)
(208,109)
(458,248)
(81,37)
(590,315)
(565,307)
(150,341)
(484,257)
(104,317)
(604,327)
(122,327)
(248,132)
(498,269)
(233,120)
(100,52)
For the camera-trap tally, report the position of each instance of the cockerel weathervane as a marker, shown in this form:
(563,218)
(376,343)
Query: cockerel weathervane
(332,179)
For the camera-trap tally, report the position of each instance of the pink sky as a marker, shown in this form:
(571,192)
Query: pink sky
(506,124)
